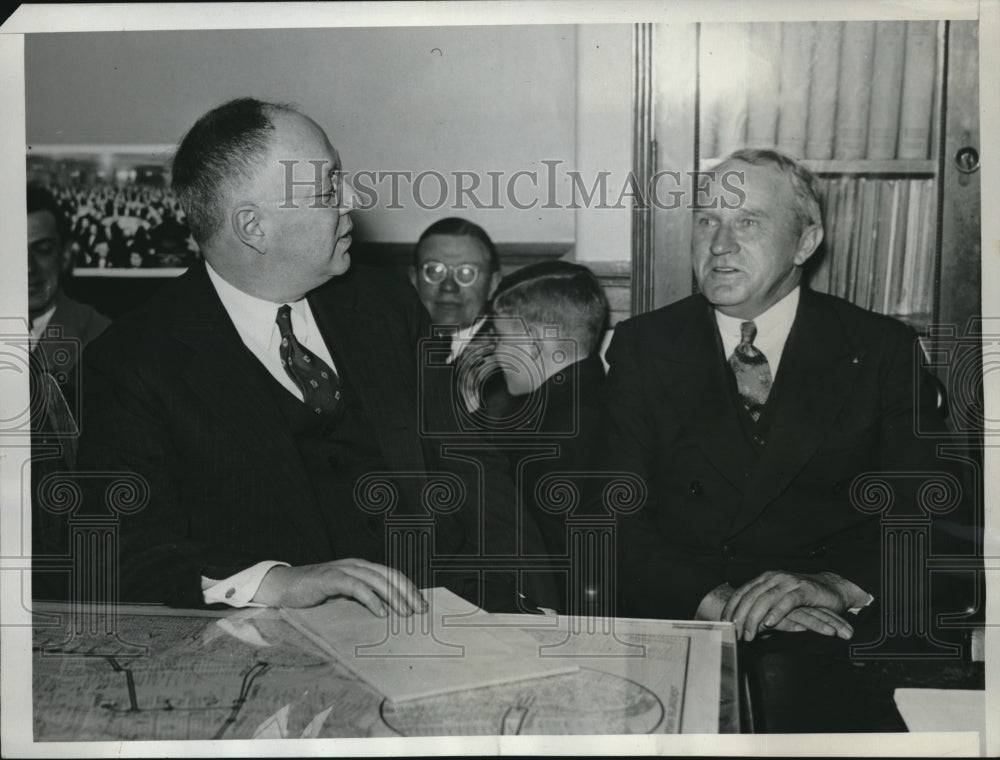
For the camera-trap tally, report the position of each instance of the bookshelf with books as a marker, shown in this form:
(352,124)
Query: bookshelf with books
(858,102)
(895,146)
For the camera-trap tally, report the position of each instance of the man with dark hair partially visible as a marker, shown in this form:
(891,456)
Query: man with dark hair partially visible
(53,314)
(60,329)
(258,393)
(749,409)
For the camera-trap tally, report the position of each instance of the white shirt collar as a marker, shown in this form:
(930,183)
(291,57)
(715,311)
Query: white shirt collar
(254,317)
(773,327)
(38,325)
(463,336)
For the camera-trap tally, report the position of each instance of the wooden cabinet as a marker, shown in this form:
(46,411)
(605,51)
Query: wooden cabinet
(901,217)
(902,209)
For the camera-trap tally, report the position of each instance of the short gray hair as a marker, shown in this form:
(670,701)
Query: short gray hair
(808,202)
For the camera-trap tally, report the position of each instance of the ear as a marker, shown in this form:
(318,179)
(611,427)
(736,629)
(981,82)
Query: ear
(809,241)
(535,344)
(247,226)
(494,281)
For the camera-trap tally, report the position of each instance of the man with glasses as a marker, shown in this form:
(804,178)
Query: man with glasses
(455,271)
(257,394)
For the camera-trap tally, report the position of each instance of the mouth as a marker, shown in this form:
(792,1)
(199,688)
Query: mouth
(724,270)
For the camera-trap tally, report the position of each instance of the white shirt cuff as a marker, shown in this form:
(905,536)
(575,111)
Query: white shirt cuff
(237,590)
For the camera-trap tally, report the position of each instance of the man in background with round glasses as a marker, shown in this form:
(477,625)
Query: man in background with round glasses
(455,271)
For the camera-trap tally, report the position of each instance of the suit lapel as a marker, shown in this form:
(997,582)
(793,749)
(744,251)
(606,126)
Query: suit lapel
(818,369)
(229,379)
(696,376)
(366,350)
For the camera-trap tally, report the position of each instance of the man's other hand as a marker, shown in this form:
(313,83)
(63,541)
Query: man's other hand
(767,600)
(816,619)
(374,585)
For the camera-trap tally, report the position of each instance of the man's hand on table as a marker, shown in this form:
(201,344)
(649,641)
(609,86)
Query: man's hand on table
(782,601)
(374,585)
(770,599)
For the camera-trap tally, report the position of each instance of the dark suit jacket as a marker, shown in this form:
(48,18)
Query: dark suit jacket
(842,404)
(53,448)
(552,431)
(173,395)
(78,322)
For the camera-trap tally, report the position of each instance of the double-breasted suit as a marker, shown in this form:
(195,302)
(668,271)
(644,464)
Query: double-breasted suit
(728,498)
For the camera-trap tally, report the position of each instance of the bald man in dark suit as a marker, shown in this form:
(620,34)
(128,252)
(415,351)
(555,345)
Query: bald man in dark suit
(259,393)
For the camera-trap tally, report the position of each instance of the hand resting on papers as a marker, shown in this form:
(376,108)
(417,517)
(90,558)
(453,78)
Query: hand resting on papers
(374,585)
(784,601)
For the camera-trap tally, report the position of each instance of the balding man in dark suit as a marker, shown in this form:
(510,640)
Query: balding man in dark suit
(258,393)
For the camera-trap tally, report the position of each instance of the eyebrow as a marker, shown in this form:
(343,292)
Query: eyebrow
(745,208)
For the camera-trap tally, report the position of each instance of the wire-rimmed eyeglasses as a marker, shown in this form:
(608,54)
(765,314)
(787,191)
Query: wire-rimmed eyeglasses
(435,272)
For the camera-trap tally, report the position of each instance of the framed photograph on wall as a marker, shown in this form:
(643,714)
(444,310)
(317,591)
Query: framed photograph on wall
(124,219)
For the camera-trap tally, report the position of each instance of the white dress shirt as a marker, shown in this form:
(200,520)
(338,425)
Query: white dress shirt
(254,319)
(38,325)
(255,322)
(773,327)
(463,337)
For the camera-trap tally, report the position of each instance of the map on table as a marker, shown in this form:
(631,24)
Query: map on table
(175,675)
(199,678)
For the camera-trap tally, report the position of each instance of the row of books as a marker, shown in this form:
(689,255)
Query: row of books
(819,90)
(879,244)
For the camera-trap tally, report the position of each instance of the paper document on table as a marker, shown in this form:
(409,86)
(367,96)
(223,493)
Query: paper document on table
(942,709)
(425,654)
(635,676)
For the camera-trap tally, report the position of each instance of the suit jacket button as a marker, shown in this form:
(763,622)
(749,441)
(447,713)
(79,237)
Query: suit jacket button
(758,440)
(727,551)
(696,488)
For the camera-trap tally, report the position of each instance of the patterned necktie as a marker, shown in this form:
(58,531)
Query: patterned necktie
(753,374)
(318,382)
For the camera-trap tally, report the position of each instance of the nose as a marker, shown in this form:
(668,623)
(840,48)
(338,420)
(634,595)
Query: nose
(448,283)
(724,241)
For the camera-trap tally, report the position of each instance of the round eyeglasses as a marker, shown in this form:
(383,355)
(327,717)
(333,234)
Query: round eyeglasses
(435,272)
